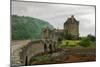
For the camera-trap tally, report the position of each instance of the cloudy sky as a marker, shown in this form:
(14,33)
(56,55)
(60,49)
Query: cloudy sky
(57,14)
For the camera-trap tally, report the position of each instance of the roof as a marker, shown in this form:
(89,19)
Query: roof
(71,19)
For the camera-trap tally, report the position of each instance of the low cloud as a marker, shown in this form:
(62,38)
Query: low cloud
(57,14)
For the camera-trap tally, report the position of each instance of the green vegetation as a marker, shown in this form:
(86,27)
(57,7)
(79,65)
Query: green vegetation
(88,41)
(41,58)
(27,27)
(91,37)
(85,42)
(69,43)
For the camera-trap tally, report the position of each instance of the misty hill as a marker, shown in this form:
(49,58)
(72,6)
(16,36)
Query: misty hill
(27,27)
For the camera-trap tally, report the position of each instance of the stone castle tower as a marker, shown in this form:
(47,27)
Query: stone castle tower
(71,26)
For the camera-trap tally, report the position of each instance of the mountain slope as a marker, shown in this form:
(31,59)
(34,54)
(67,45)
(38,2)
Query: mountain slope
(27,27)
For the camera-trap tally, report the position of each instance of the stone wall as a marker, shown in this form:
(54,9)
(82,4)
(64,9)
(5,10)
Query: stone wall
(30,50)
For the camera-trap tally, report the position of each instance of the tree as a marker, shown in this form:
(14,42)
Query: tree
(91,37)
(85,42)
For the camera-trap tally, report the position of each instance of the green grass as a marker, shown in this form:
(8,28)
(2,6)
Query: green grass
(74,43)
(69,43)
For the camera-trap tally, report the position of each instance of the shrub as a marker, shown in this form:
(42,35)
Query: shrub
(67,43)
(91,37)
(85,42)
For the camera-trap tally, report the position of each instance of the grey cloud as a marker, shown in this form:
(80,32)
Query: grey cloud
(57,14)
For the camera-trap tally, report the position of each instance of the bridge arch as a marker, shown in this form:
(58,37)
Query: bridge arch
(33,48)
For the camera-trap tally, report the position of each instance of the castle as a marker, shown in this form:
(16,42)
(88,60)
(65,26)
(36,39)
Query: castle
(71,27)
(51,37)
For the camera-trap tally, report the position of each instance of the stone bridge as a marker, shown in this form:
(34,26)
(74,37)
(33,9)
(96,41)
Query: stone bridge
(27,51)
(18,57)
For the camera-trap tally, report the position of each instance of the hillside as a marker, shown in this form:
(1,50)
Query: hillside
(27,27)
